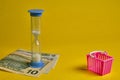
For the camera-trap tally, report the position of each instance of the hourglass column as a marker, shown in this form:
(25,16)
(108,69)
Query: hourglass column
(36,61)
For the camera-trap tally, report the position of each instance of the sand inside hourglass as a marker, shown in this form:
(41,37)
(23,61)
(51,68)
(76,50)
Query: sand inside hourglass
(36,53)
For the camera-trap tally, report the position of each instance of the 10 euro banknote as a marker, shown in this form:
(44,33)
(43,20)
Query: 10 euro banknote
(18,62)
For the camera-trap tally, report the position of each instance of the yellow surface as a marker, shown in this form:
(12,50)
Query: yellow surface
(71,28)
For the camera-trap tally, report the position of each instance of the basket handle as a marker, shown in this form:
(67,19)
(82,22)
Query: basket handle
(91,53)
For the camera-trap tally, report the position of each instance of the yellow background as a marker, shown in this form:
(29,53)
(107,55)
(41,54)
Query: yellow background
(71,28)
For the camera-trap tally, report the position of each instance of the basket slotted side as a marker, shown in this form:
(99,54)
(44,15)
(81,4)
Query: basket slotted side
(100,64)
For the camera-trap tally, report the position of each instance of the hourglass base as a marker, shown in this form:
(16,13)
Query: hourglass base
(37,64)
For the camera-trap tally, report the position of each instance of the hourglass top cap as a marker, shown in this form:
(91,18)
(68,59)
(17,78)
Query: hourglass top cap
(35,12)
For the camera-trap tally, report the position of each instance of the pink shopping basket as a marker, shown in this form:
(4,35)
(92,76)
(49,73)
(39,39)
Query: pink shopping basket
(99,62)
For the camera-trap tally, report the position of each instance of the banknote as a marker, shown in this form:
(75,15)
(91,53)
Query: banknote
(19,60)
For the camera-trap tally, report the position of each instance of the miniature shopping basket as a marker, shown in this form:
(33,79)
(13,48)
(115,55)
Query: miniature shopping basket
(99,62)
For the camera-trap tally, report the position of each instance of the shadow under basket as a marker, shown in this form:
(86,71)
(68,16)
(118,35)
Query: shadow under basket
(99,62)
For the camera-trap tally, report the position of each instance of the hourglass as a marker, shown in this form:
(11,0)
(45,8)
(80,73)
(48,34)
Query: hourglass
(36,61)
